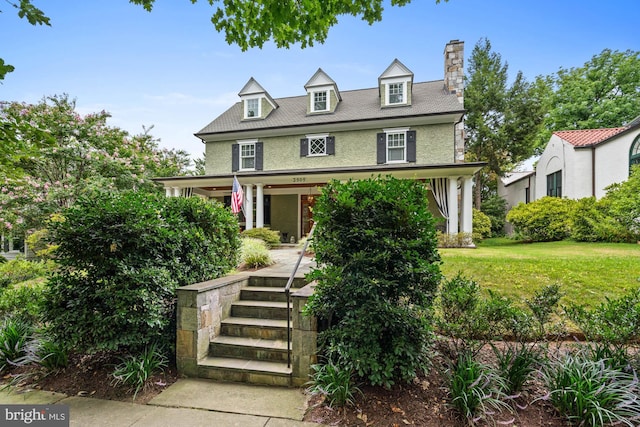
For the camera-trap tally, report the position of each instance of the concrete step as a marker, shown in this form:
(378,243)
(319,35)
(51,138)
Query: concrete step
(246,371)
(251,327)
(248,348)
(263,293)
(276,281)
(260,309)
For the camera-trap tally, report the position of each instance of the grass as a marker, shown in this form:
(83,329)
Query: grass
(586,272)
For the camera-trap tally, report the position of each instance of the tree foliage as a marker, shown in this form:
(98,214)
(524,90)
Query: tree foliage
(603,93)
(502,121)
(375,241)
(53,155)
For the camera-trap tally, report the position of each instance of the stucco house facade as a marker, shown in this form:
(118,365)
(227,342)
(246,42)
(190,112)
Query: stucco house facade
(283,150)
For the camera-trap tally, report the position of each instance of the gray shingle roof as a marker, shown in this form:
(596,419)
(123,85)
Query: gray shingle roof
(428,98)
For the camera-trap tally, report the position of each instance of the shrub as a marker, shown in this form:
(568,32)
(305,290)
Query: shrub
(475,390)
(591,394)
(135,371)
(24,301)
(375,243)
(495,207)
(334,382)
(624,206)
(39,243)
(270,237)
(19,270)
(254,253)
(545,220)
(458,240)
(14,337)
(123,256)
(481,226)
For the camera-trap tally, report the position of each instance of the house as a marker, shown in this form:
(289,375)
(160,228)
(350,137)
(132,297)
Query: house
(283,150)
(577,164)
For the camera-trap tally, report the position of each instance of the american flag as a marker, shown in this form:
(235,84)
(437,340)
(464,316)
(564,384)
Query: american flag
(237,196)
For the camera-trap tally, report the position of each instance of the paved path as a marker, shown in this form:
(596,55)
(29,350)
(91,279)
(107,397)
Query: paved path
(191,402)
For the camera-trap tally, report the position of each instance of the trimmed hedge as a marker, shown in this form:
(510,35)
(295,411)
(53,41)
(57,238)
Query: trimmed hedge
(123,256)
(270,237)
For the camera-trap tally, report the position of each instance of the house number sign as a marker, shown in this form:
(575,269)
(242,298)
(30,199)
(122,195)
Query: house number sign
(299,179)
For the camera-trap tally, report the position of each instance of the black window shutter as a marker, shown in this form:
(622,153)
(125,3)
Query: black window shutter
(381,148)
(235,157)
(304,147)
(259,156)
(411,146)
(331,145)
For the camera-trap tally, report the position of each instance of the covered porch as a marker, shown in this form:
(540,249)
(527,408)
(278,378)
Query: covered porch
(283,199)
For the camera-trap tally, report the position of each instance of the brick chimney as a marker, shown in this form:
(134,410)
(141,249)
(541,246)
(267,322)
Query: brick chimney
(454,84)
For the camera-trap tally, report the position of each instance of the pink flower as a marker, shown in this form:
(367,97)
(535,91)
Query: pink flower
(8,225)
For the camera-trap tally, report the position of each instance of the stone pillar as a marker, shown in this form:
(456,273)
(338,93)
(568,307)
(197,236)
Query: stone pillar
(304,339)
(259,206)
(466,205)
(248,206)
(452,224)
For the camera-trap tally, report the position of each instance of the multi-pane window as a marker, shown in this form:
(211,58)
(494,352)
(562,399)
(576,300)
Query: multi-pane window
(247,156)
(253,107)
(554,184)
(396,93)
(317,146)
(396,147)
(634,155)
(320,101)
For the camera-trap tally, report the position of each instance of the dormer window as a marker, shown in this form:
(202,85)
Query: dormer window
(252,108)
(319,102)
(396,93)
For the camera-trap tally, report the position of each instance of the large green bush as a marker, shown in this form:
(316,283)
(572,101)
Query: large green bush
(545,220)
(122,256)
(375,243)
(19,269)
(481,226)
(624,206)
(268,236)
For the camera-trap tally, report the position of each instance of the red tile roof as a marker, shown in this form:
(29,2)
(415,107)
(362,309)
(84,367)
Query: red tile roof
(587,137)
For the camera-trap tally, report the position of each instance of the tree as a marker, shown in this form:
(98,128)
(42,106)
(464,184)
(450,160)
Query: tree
(252,23)
(603,93)
(55,155)
(502,122)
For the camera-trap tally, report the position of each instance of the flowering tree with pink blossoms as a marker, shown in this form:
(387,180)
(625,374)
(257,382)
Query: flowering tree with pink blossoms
(50,155)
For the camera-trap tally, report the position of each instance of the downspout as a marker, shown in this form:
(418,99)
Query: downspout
(593,171)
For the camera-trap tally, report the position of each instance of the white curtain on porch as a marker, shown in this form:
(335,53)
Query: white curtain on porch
(439,187)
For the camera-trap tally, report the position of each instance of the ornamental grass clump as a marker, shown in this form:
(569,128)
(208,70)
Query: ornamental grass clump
(254,253)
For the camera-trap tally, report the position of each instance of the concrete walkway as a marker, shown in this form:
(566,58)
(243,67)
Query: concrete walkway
(192,402)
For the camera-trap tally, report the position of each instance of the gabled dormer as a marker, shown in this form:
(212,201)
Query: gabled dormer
(322,94)
(256,102)
(394,85)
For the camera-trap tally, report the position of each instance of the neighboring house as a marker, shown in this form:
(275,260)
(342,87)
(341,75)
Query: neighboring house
(577,164)
(583,163)
(283,150)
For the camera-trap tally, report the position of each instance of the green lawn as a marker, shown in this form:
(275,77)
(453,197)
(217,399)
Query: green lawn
(586,272)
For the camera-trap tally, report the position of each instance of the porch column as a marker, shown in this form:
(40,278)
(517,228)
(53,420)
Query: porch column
(466,205)
(248,206)
(168,191)
(452,225)
(176,191)
(259,206)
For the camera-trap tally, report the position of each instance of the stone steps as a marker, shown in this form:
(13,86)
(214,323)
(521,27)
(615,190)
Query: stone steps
(252,344)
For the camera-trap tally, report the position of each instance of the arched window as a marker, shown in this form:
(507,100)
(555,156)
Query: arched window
(634,153)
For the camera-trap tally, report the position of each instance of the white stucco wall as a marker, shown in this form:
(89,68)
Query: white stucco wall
(551,160)
(612,161)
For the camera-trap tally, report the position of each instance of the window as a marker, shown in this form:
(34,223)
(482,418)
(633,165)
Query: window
(396,93)
(396,147)
(634,155)
(554,184)
(252,108)
(319,101)
(247,156)
(317,146)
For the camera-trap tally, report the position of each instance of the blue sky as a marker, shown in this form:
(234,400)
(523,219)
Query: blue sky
(171,69)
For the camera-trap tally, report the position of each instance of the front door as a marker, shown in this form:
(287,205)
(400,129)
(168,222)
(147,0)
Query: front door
(306,211)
